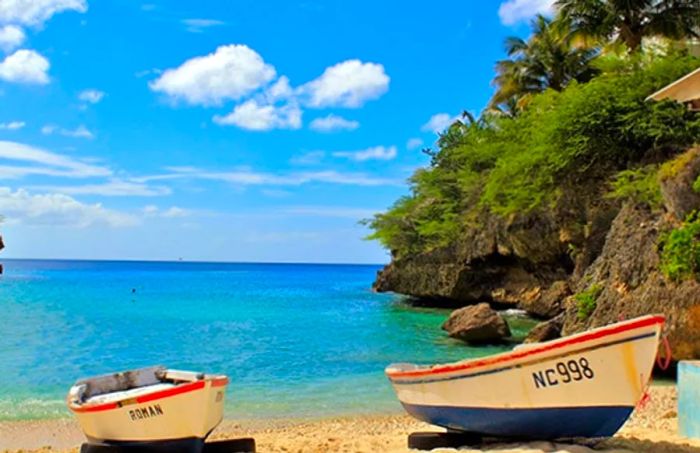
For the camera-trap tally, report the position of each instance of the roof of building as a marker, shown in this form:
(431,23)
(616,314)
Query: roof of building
(685,89)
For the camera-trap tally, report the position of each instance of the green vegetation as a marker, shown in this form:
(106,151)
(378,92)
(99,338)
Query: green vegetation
(568,115)
(640,185)
(680,250)
(587,300)
(562,140)
(628,22)
(696,185)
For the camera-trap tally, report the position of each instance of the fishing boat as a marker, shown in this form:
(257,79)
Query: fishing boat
(584,385)
(153,407)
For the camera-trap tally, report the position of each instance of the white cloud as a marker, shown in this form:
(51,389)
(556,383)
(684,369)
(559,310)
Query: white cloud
(170,213)
(350,83)
(91,95)
(11,37)
(36,12)
(25,66)
(253,116)
(332,123)
(79,132)
(44,163)
(247,177)
(438,123)
(53,209)
(281,89)
(414,143)
(309,158)
(373,153)
(330,211)
(199,25)
(12,125)
(514,11)
(231,72)
(111,188)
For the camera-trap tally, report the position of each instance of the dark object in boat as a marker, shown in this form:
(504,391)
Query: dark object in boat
(244,445)
(450,439)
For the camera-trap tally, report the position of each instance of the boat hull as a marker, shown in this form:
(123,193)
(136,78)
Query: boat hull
(184,414)
(586,385)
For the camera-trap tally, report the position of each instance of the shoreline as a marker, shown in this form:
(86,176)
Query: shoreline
(652,428)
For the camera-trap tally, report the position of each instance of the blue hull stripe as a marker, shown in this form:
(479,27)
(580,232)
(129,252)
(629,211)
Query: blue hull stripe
(542,423)
(409,381)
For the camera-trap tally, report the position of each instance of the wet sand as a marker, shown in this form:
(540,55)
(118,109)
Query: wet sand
(653,428)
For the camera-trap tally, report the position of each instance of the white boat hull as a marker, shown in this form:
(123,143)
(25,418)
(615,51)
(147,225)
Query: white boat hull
(585,385)
(187,412)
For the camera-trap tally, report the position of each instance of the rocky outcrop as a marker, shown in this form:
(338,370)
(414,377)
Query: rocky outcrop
(677,180)
(508,261)
(548,303)
(477,324)
(545,331)
(630,283)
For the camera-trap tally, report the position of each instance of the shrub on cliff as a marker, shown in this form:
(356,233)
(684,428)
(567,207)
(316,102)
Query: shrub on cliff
(509,165)
(680,250)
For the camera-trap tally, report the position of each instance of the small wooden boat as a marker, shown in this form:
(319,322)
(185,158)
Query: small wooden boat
(584,385)
(151,407)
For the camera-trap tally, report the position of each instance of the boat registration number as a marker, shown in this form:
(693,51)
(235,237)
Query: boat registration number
(564,372)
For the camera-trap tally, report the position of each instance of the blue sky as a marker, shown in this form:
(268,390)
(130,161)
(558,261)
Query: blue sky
(228,131)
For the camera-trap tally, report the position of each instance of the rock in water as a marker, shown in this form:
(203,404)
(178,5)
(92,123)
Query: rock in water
(477,324)
(545,331)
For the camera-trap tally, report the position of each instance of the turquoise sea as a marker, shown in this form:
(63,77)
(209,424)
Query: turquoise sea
(300,340)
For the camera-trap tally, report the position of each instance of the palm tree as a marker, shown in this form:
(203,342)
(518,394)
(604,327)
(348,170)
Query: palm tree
(628,21)
(546,60)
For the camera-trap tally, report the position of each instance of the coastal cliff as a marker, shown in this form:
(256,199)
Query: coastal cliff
(581,208)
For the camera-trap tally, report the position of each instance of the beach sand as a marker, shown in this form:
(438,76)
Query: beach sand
(653,428)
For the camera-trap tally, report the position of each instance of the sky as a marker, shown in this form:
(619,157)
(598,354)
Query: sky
(229,130)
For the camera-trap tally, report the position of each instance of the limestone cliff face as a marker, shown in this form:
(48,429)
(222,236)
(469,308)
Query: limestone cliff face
(510,262)
(538,262)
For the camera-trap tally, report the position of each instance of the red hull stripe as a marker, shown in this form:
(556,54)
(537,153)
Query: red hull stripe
(516,355)
(219,382)
(178,390)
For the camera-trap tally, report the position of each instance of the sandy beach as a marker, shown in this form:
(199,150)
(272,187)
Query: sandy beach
(653,428)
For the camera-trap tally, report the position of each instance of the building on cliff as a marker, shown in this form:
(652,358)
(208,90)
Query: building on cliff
(685,90)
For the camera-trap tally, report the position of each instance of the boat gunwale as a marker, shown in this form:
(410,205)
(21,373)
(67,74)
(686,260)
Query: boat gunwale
(216,381)
(514,355)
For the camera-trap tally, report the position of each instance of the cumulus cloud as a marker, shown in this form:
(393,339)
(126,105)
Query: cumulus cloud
(350,83)
(55,209)
(373,153)
(438,123)
(91,96)
(79,132)
(36,12)
(199,25)
(11,37)
(25,66)
(514,11)
(12,125)
(333,123)
(414,143)
(42,162)
(260,117)
(230,73)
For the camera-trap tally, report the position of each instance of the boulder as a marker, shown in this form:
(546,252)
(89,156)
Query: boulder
(545,331)
(677,179)
(548,303)
(477,324)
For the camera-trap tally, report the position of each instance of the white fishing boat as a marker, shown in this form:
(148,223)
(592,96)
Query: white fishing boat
(584,385)
(154,407)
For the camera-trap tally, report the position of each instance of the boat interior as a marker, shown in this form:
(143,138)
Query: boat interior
(128,384)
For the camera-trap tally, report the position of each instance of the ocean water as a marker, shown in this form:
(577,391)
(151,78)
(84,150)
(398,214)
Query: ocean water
(296,340)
